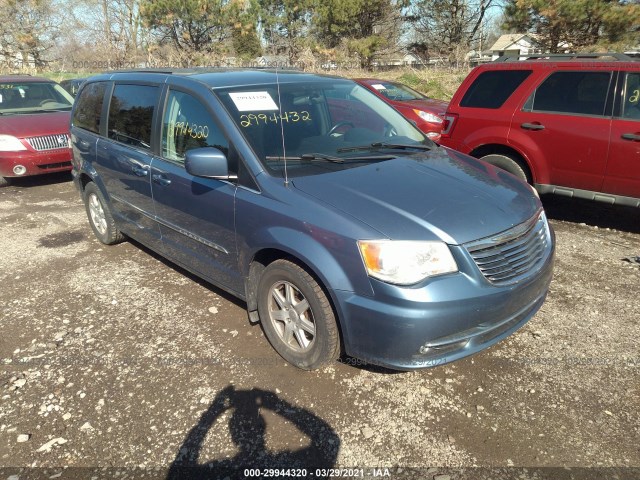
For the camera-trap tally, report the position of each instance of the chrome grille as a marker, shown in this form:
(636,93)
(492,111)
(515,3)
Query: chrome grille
(507,257)
(49,142)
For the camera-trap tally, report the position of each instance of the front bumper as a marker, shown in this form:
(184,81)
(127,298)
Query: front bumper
(448,318)
(35,163)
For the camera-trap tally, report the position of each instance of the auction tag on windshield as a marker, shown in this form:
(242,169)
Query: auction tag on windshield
(378,86)
(253,101)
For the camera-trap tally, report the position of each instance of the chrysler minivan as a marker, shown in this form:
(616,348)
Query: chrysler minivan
(345,233)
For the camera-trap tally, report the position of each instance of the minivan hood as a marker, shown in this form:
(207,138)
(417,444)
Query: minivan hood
(436,195)
(35,124)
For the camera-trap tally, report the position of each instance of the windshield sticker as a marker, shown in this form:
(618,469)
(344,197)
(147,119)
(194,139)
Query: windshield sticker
(261,118)
(6,86)
(379,86)
(253,101)
(635,96)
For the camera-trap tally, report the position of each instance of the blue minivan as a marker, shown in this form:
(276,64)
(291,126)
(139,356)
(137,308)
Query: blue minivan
(343,228)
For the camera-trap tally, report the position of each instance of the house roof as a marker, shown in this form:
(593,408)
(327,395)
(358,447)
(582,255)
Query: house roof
(509,39)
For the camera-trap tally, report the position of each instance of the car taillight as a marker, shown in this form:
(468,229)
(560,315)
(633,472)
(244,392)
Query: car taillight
(449,121)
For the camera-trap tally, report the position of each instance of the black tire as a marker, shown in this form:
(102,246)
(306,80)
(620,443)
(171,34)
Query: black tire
(509,163)
(4,182)
(100,217)
(288,328)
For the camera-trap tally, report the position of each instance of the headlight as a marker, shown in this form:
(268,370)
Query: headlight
(9,143)
(406,262)
(428,117)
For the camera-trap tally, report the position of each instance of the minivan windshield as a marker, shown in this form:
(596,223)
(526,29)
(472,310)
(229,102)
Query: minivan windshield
(33,97)
(327,125)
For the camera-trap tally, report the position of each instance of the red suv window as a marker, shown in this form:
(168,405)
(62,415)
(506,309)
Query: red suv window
(492,89)
(572,92)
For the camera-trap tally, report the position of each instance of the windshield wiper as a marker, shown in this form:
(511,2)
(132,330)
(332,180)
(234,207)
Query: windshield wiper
(329,158)
(308,156)
(383,145)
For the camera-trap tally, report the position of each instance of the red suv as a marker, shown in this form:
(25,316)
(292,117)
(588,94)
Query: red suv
(568,125)
(34,127)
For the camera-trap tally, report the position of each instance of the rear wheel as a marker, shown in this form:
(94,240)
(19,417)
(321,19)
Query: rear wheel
(509,163)
(100,217)
(296,316)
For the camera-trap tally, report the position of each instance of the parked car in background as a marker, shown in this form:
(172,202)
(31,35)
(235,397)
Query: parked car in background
(339,231)
(72,85)
(425,112)
(34,127)
(568,124)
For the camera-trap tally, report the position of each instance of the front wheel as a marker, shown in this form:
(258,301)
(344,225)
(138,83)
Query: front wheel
(296,316)
(100,217)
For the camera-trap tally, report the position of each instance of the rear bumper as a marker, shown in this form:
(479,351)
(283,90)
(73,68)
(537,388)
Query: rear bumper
(35,163)
(450,318)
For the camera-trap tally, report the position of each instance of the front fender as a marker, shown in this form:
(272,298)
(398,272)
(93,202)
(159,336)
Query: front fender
(319,250)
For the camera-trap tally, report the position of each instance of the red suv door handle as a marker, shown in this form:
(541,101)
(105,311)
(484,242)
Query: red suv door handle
(532,126)
(631,136)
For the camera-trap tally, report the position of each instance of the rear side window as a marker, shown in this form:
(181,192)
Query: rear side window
(131,114)
(572,92)
(491,89)
(89,109)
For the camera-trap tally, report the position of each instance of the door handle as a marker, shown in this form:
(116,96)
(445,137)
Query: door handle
(160,180)
(631,136)
(140,171)
(532,126)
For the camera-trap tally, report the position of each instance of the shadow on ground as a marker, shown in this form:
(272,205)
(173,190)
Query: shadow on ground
(592,213)
(40,180)
(248,429)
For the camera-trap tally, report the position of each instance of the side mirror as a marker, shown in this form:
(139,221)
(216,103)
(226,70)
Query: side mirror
(208,162)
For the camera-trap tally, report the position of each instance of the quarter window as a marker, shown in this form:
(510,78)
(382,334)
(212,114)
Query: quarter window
(88,112)
(187,125)
(491,89)
(131,114)
(572,92)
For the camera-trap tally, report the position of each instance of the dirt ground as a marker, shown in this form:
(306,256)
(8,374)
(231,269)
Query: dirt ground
(113,357)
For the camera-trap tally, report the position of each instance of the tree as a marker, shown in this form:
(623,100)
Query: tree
(368,28)
(444,26)
(28,30)
(574,24)
(285,25)
(246,43)
(192,26)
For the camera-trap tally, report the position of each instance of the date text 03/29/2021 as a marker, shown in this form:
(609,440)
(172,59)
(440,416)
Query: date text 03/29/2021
(318,472)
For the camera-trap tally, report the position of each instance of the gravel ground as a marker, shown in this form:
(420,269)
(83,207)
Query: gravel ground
(113,357)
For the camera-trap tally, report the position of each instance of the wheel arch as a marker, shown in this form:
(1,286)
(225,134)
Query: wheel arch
(499,149)
(264,257)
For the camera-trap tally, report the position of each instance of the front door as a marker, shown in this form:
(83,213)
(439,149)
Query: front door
(566,127)
(623,169)
(196,215)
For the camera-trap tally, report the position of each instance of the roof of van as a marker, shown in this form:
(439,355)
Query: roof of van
(227,77)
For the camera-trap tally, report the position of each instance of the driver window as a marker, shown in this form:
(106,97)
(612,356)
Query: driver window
(187,125)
